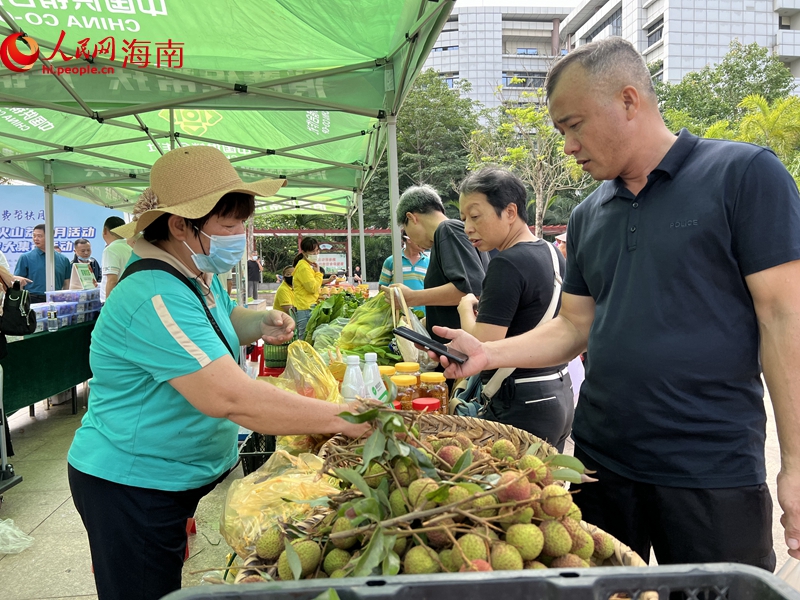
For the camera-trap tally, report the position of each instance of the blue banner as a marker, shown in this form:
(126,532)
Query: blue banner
(22,207)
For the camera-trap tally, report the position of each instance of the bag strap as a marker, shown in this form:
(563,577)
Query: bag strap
(493,385)
(154,264)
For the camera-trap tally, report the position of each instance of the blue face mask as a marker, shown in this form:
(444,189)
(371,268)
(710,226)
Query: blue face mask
(224,253)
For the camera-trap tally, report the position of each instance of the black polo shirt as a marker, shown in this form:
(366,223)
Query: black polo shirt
(673,392)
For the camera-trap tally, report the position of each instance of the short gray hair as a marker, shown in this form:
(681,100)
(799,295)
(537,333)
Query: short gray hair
(607,61)
(418,199)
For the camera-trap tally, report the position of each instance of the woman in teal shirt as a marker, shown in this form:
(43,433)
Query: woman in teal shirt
(167,395)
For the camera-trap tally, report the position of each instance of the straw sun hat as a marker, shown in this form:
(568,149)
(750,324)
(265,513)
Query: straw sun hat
(189,182)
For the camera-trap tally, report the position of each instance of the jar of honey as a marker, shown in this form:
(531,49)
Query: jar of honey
(408,368)
(407,390)
(432,385)
(429,405)
(387,372)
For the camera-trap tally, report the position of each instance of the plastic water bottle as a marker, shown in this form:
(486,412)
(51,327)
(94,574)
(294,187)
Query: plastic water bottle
(372,378)
(353,382)
(52,318)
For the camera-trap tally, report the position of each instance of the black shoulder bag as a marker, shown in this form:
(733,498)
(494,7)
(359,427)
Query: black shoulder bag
(17,318)
(153,264)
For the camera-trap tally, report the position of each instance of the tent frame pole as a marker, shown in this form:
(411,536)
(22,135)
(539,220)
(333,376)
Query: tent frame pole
(362,254)
(49,242)
(394,199)
(350,274)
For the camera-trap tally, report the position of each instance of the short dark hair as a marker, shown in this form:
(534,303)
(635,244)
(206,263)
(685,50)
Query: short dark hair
(501,188)
(608,61)
(233,204)
(418,199)
(40,227)
(309,244)
(81,241)
(113,223)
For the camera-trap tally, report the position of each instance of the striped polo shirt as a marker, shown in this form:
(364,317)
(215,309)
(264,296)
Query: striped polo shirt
(413,273)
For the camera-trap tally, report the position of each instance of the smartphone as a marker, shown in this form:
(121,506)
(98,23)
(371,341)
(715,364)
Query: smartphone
(432,345)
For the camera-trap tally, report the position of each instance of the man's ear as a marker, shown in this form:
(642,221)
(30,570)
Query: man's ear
(412,217)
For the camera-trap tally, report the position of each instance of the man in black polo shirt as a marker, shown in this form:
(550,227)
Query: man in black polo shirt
(456,268)
(680,301)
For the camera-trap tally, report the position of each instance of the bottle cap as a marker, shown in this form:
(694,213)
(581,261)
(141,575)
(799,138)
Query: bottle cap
(353,359)
(371,357)
(426,404)
(404,380)
(407,367)
(387,370)
(431,377)
(397,405)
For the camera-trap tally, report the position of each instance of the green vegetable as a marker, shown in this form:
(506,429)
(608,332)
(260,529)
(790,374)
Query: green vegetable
(370,325)
(339,305)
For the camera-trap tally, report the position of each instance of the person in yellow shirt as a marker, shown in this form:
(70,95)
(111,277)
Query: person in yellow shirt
(306,283)
(284,296)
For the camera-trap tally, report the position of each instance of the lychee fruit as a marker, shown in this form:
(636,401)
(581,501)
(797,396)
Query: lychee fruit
(555,500)
(450,455)
(446,558)
(574,513)
(400,546)
(452,442)
(417,491)
(534,564)
(270,545)
(476,565)
(457,493)
(438,538)
(504,448)
(420,560)
(527,539)
(582,543)
(338,574)
(510,515)
(405,471)
(374,475)
(465,442)
(505,557)
(603,545)
(557,541)
(343,524)
(538,470)
(336,559)
(518,487)
(479,503)
(569,561)
(397,503)
(309,553)
(471,547)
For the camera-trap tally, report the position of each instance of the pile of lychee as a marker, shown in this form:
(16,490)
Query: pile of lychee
(503,513)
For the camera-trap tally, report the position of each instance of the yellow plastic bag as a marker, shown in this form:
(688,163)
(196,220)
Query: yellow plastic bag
(274,491)
(308,375)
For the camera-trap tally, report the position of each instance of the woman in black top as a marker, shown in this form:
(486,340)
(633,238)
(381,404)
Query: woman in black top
(516,294)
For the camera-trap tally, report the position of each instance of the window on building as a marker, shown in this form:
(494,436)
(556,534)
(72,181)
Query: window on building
(444,48)
(523,80)
(655,31)
(615,21)
(528,51)
(451,79)
(564,51)
(784,23)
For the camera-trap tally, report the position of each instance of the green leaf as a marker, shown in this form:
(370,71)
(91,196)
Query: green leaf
(360,417)
(391,422)
(374,447)
(357,480)
(424,462)
(391,564)
(567,475)
(570,462)
(366,507)
(372,556)
(294,561)
(492,478)
(534,449)
(463,462)
(396,448)
(472,488)
(440,494)
(323,501)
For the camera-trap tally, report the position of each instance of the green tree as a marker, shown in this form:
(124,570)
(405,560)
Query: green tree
(775,124)
(523,139)
(715,92)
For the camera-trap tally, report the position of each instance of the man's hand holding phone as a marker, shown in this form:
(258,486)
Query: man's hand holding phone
(464,343)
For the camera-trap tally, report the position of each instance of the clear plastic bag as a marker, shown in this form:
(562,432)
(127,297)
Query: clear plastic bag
(790,573)
(407,318)
(12,539)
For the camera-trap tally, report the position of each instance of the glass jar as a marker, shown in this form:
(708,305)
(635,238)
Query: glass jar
(429,405)
(407,390)
(408,368)
(432,385)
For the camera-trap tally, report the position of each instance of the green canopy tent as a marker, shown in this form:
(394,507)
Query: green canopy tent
(299,89)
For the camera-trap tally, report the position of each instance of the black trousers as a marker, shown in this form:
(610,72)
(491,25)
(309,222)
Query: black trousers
(137,536)
(543,408)
(36,298)
(682,525)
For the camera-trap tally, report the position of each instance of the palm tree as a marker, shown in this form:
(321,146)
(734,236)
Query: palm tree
(776,125)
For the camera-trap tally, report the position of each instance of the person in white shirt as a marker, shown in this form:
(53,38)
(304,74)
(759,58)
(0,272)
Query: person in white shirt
(116,255)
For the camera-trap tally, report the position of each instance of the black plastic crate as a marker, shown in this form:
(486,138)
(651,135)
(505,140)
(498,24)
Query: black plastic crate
(722,581)
(255,451)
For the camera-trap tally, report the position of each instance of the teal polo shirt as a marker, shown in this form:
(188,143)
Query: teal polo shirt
(139,430)
(32,265)
(413,273)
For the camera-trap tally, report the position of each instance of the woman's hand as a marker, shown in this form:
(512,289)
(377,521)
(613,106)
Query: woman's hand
(468,305)
(276,327)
